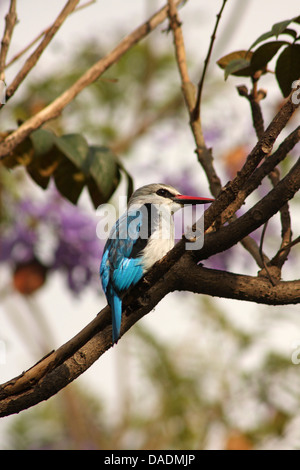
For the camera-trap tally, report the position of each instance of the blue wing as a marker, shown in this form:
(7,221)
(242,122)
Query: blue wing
(121,265)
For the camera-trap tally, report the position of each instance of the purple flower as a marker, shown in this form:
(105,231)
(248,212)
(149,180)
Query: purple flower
(17,244)
(212,135)
(57,230)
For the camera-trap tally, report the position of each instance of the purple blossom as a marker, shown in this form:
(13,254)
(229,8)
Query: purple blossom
(58,230)
(17,244)
(212,135)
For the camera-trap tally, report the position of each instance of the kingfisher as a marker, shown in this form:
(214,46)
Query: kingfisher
(140,237)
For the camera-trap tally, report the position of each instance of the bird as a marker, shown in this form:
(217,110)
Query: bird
(139,238)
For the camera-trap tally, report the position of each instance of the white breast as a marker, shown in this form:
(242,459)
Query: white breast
(160,242)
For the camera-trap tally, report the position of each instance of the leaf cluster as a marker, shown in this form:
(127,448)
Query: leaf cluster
(249,63)
(71,162)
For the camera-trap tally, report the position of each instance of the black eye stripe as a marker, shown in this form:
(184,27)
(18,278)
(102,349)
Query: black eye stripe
(164,193)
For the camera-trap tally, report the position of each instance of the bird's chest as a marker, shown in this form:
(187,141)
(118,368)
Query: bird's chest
(155,250)
(161,239)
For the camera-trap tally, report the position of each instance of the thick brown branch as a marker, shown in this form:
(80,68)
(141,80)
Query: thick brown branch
(274,175)
(263,170)
(228,236)
(61,367)
(260,213)
(64,365)
(236,286)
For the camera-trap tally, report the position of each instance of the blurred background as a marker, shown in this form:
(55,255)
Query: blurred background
(197,372)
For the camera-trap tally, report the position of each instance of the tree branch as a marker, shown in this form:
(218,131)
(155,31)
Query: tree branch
(274,175)
(261,172)
(32,60)
(260,213)
(55,108)
(254,98)
(45,31)
(61,367)
(204,154)
(196,111)
(10,21)
(263,147)
(237,286)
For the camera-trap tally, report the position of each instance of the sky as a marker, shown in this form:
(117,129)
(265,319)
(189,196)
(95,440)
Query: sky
(110,21)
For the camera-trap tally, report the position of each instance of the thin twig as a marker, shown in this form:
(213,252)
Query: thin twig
(34,57)
(262,255)
(196,111)
(254,98)
(204,154)
(45,31)
(251,246)
(29,46)
(289,245)
(285,219)
(10,21)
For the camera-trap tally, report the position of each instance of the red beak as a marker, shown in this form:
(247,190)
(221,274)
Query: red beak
(181,199)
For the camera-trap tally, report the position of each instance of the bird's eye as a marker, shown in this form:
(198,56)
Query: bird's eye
(164,193)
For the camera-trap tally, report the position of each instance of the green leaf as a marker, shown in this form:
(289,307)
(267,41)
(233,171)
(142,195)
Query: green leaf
(262,56)
(288,68)
(290,32)
(72,164)
(236,63)
(74,147)
(103,166)
(22,155)
(278,28)
(42,141)
(95,194)
(262,38)
(236,55)
(69,180)
(36,172)
(238,67)
(44,160)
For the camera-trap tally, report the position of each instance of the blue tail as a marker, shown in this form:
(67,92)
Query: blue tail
(116,310)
